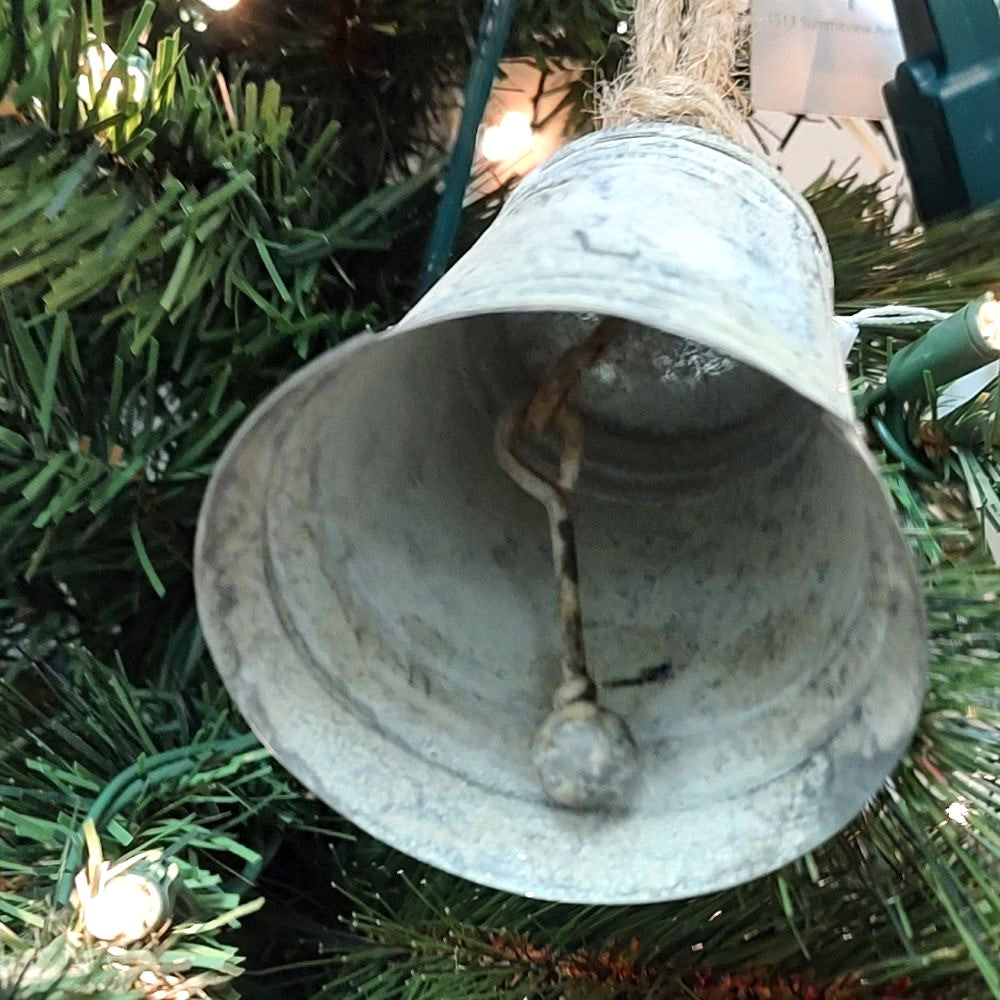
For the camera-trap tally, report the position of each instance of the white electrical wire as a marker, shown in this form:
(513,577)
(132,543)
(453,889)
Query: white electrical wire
(850,327)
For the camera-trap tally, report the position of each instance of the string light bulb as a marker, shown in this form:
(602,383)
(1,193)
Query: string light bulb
(126,909)
(220,4)
(956,346)
(988,320)
(958,812)
(508,140)
(96,65)
(127,902)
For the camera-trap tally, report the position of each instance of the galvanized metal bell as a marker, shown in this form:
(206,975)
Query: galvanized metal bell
(378,594)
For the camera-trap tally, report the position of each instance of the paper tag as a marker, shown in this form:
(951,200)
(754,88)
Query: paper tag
(823,57)
(967,387)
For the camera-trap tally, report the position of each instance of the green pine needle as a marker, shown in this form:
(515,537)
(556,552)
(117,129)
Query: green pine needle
(162,268)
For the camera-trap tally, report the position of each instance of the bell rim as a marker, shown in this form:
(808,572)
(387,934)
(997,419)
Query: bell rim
(435,850)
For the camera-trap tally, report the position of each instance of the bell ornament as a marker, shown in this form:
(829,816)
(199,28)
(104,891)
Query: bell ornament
(377,591)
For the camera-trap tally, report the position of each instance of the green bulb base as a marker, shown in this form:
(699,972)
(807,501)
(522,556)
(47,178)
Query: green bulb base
(954,347)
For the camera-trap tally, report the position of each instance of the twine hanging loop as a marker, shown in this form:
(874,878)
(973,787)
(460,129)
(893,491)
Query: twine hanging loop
(681,68)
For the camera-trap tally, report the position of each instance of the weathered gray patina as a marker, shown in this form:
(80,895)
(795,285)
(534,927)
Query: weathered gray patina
(378,594)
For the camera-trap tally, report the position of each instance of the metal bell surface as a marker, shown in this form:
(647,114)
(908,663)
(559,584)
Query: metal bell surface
(378,595)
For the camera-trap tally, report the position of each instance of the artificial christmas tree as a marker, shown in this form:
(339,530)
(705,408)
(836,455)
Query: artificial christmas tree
(175,241)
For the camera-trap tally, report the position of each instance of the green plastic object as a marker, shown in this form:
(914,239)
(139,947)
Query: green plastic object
(945,103)
(494,29)
(954,347)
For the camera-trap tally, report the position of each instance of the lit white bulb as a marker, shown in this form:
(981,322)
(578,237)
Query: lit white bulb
(989,322)
(96,64)
(622,27)
(508,140)
(126,908)
(220,4)
(958,812)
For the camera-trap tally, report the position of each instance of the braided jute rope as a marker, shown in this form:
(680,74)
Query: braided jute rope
(681,68)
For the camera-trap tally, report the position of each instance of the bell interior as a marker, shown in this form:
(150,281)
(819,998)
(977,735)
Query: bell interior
(732,545)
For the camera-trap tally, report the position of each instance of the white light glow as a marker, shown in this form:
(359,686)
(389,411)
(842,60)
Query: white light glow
(958,812)
(96,64)
(125,909)
(622,27)
(220,4)
(510,139)
(989,322)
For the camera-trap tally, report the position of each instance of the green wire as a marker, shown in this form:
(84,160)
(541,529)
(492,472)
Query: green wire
(129,784)
(891,429)
(866,402)
(494,29)
(898,450)
(896,422)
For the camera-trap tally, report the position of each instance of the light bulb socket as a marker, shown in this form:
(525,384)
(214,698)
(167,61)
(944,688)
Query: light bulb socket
(952,348)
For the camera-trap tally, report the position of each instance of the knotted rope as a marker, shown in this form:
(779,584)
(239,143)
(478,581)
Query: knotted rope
(681,68)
